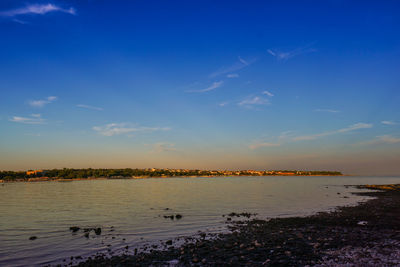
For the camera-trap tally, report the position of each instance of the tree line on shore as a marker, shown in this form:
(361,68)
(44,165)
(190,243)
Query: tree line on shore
(128,172)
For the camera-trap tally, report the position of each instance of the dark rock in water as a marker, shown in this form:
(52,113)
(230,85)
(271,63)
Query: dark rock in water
(169,242)
(86,234)
(74,229)
(166,209)
(32,237)
(97,231)
(169,216)
(178,216)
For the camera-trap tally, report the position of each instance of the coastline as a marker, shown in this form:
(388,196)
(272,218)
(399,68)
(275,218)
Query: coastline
(367,234)
(57,179)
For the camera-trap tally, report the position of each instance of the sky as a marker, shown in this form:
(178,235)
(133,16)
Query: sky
(265,85)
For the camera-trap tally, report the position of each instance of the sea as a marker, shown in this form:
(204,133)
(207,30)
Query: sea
(131,212)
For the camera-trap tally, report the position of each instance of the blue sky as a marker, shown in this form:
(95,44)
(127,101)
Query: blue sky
(199,84)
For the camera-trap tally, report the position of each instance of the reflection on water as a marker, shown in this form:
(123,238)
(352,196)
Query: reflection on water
(130,212)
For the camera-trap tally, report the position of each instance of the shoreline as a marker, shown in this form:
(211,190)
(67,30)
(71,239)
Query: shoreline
(367,234)
(52,179)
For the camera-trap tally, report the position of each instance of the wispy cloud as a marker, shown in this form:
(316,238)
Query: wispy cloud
(283,138)
(388,139)
(213,86)
(253,100)
(89,107)
(281,55)
(326,110)
(288,137)
(264,144)
(232,75)
(351,128)
(20,21)
(37,9)
(125,129)
(242,63)
(32,119)
(163,147)
(42,102)
(383,139)
(268,93)
(389,122)
(223,104)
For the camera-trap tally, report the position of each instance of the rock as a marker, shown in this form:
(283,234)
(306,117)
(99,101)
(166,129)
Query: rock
(33,237)
(86,234)
(97,231)
(178,216)
(195,260)
(362,223)
(169,242)
(74,229)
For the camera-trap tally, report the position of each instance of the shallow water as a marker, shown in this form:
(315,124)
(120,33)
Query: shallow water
(135,209)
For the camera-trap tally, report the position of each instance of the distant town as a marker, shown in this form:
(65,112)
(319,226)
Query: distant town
(128,173)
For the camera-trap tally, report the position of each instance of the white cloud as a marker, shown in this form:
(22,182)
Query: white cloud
(353,127)
(259,145)
(389,122)
(388,139)
(89,107)
(232,75)
(213,86)
(235,67)
(33,119)
(42,102)
(163,147)
(37,9)
(383,139)
(268,93)
(125,129)
(326,110)
(253,100)
(280,55)
(223,104)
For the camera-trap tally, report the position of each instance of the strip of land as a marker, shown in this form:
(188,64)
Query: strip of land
(364,235)
(128,173)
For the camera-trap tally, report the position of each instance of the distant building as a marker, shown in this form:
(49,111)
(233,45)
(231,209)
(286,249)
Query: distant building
(35,172)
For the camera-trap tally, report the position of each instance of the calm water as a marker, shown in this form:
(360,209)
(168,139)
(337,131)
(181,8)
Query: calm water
(135,209)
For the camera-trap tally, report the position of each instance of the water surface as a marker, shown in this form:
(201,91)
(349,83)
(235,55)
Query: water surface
(132,211)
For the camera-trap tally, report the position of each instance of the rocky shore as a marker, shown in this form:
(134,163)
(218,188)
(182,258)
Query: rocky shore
(364,235)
